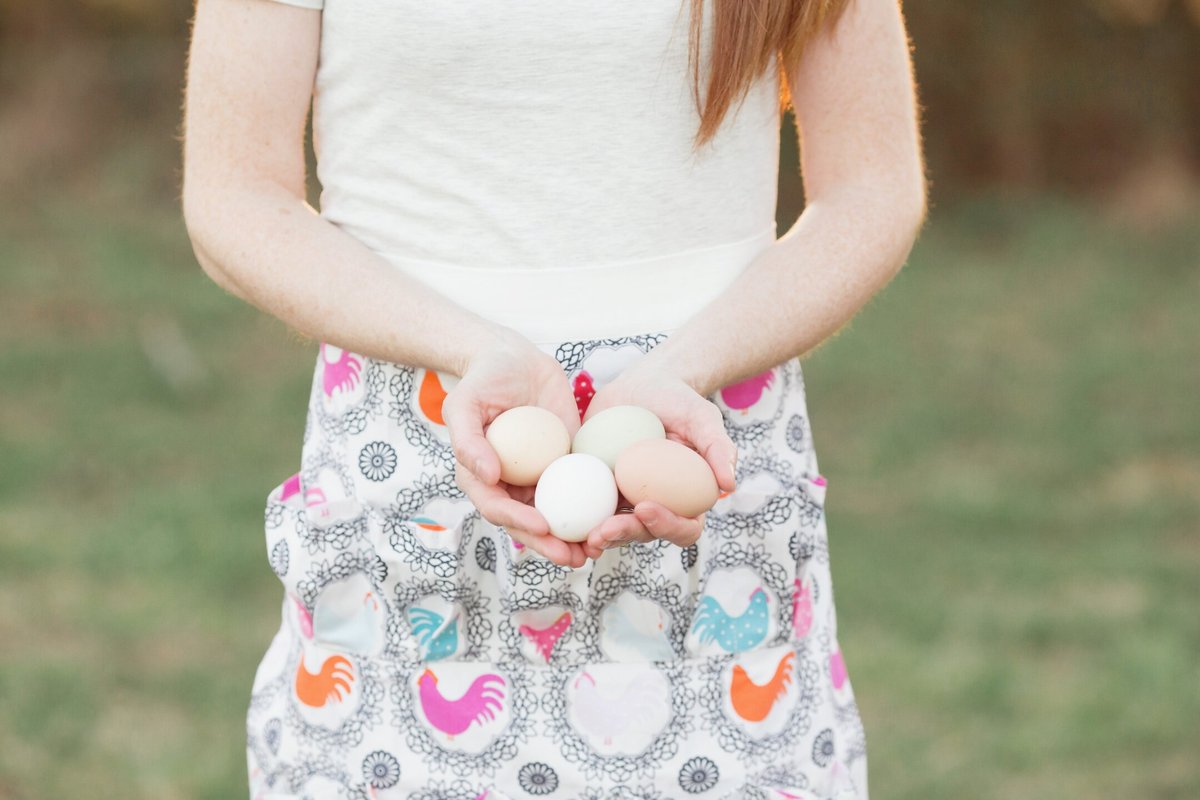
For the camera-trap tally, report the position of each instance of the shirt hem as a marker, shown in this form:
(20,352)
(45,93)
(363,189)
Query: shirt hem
(595,301)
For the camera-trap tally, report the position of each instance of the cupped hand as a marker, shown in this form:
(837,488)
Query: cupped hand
(512,372)
(689,418)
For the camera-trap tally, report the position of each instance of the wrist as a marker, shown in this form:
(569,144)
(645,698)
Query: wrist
(484,336)
(666,361)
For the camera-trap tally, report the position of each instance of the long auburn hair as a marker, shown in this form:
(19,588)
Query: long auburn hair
(747,36)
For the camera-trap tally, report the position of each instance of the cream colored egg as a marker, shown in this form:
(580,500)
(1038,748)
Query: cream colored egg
(613,429)
(527,439)
(667,472)
(575,494)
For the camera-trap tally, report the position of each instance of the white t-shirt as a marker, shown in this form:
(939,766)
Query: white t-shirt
(532,160)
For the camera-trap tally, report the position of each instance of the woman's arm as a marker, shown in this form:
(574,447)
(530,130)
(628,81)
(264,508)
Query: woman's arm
(250,77)
(864,180)
(856,113)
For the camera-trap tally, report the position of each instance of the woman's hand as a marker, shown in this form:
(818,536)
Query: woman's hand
(689,418)
(512,372)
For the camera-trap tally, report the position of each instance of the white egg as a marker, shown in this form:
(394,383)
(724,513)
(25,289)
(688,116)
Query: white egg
(613,429)
(575,494)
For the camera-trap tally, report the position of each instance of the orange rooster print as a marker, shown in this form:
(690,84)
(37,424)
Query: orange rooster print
(327,684)
(430,397)
(753,702)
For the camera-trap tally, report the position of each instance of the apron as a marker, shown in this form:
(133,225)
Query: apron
(423,653)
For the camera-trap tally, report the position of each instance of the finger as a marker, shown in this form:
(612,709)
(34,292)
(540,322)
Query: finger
(566,554)
(522,494)
(565,408)
(662,523)
(464,421)
(500,509)
(497,507)
(706,429)
(617,530)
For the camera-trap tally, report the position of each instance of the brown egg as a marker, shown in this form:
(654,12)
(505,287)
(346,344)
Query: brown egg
(667,472)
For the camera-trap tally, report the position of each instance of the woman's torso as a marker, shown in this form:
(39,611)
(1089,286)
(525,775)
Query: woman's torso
(540,137)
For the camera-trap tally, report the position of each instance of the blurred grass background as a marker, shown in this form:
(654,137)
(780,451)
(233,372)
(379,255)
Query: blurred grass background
(1009,429)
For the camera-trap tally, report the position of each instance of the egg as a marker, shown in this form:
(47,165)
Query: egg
(575,494)
(667,472)
(527,439)
(613,429)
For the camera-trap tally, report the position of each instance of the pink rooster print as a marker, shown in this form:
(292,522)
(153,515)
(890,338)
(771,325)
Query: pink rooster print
(744,394)
(478,703)
(292,487)
(802,609)
(289,488)
(341,373)
(837,670)
(544,639)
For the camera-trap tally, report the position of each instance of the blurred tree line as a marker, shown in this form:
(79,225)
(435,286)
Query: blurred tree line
(1065,95)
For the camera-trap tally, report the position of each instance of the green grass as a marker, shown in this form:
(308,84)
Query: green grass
(1009,431)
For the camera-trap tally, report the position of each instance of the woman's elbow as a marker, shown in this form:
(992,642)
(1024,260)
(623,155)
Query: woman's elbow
(912,197)
(196,222)
(908,208)
(202,229)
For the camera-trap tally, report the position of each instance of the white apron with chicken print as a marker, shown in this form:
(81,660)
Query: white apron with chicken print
(425,654)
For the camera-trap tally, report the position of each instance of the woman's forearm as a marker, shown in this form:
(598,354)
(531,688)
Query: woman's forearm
(265,245)
(251,72)
(798,292)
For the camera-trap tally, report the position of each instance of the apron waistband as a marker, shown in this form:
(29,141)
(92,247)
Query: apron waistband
(595,301)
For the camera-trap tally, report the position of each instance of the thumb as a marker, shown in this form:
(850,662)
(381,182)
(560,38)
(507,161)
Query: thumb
(566,408)
(464,420)
(712,441)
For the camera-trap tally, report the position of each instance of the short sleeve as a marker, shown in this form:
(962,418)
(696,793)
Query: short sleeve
(316,4)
